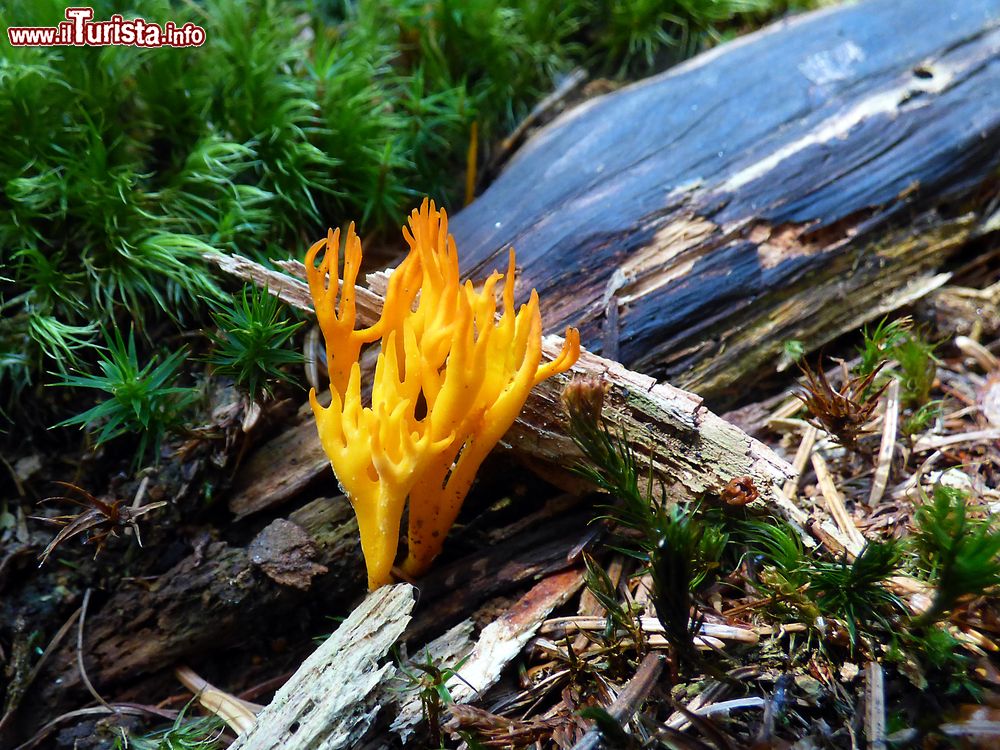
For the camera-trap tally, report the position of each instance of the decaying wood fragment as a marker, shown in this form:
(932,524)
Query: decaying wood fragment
(286,554)
(499,643)
(205,602)
(875,706)
(560,627)
(503,639)
(693,451)
(334,697)
(210,599)
(459,587)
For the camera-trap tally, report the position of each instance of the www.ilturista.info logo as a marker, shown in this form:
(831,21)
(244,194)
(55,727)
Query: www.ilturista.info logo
(78,30)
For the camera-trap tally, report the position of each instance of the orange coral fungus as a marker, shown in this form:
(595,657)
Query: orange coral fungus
(450,379)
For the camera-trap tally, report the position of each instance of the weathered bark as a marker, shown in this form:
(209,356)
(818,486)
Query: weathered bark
(790,185)
(209,600)
(205,602)
(456,589)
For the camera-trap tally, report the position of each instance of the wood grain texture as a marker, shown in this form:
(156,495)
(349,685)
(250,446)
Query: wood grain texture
(218,595)
(335,696)
(787,185)
(211,599)
(500,642)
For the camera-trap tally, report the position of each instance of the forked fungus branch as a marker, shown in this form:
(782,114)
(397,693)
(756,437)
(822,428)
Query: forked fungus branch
(450,379)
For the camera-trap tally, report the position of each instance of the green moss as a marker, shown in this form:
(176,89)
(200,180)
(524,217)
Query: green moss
(121,167)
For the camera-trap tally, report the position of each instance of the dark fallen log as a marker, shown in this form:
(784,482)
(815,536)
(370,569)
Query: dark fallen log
(209,601)
(215,597)
(790,185)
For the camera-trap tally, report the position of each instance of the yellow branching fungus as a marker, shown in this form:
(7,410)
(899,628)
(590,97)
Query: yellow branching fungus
(450,379)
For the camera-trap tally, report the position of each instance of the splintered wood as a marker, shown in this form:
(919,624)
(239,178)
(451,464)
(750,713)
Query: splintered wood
(692,450)
(334,697)
(499,643)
